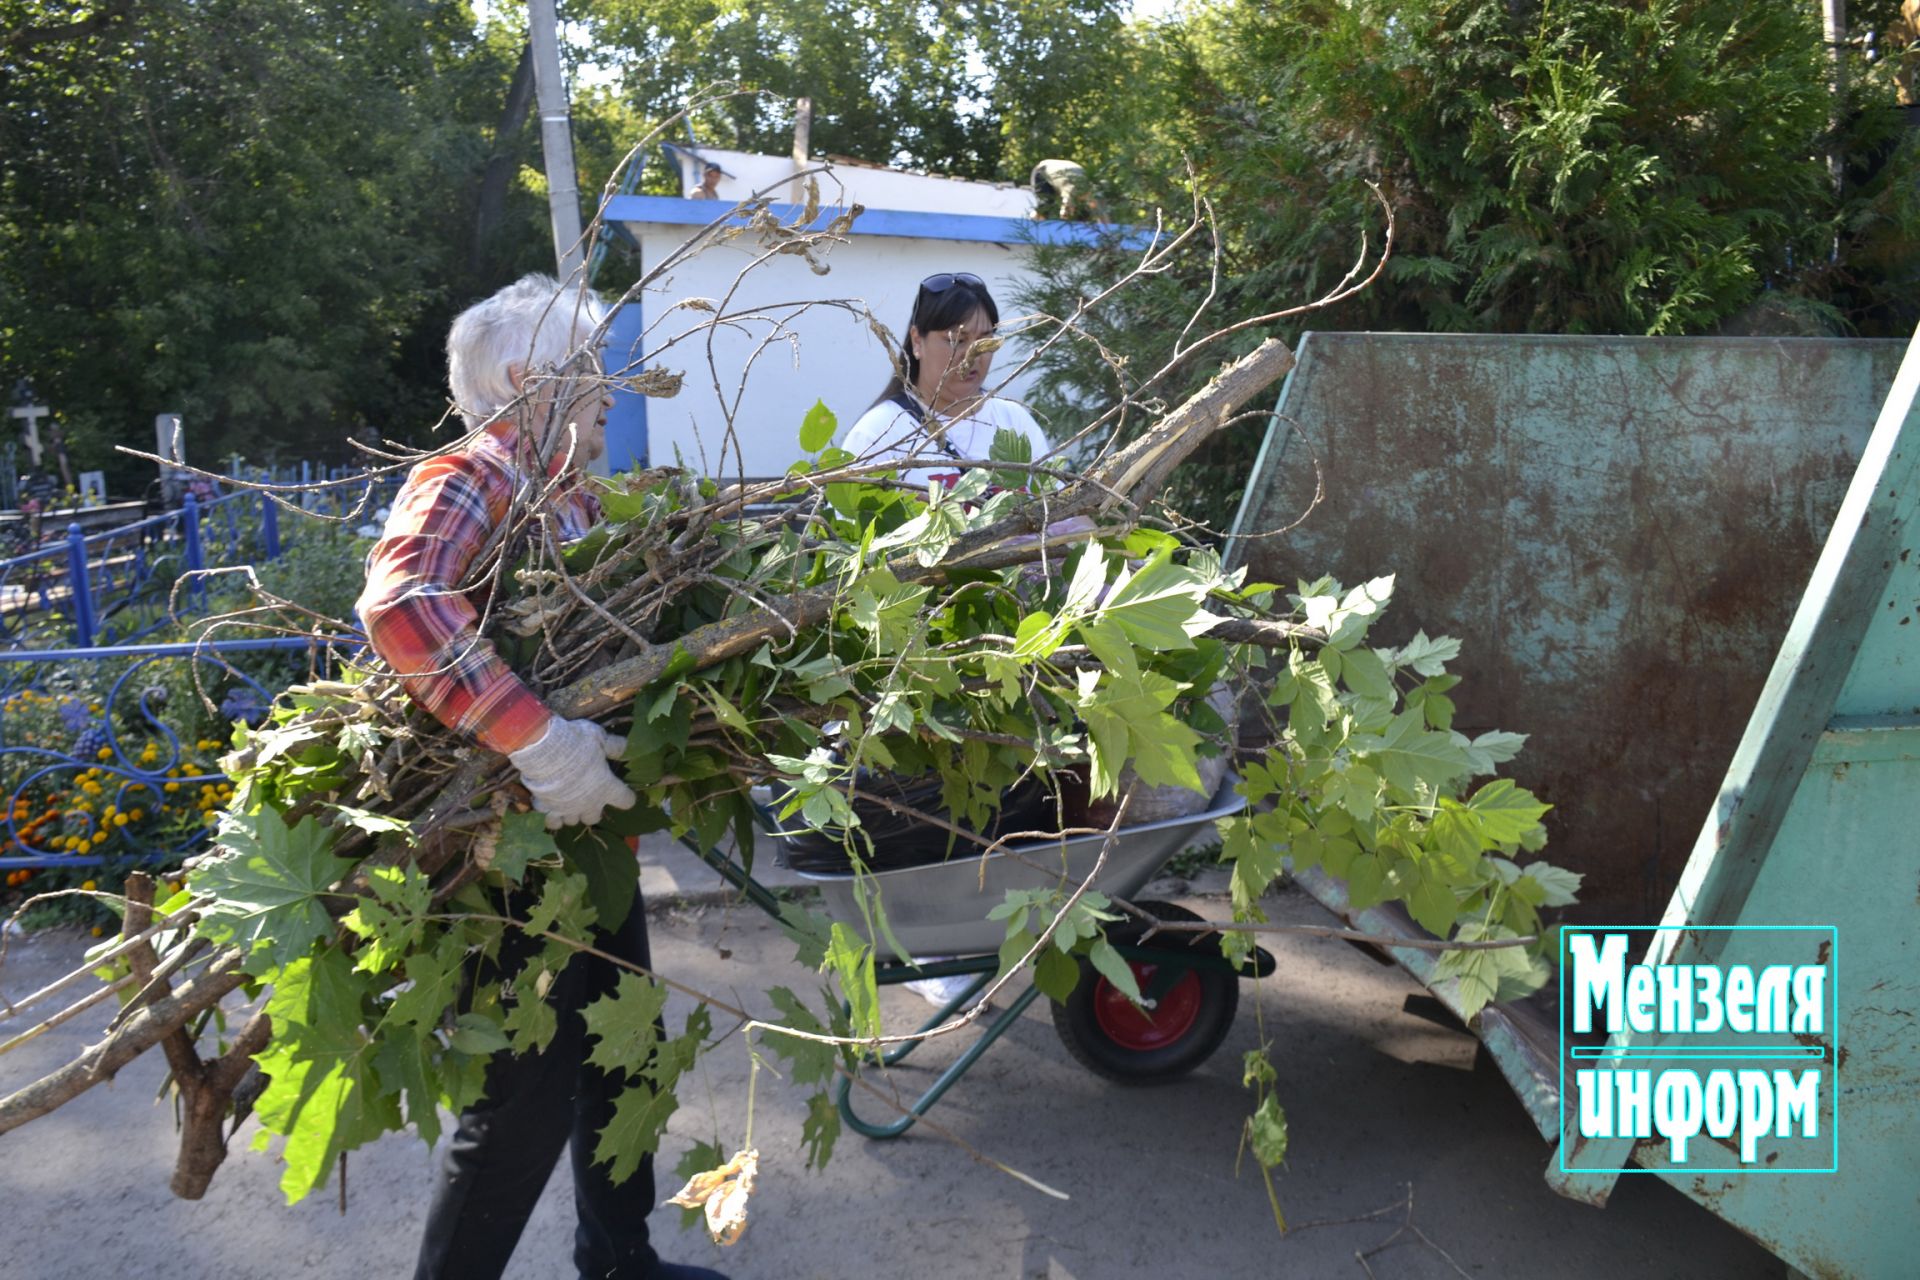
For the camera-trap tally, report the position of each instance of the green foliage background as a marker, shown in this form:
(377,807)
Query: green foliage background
(1579,166)
(263,214)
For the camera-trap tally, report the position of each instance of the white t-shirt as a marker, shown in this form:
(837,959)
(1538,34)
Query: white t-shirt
(887,431)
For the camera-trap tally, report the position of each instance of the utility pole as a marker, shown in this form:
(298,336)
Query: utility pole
(556,138)
(1833,15)
(802,145)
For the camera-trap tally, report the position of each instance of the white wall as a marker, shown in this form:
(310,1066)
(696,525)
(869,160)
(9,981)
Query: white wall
(826,353)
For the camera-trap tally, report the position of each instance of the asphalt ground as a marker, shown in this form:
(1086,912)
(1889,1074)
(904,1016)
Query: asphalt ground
(1410,1156)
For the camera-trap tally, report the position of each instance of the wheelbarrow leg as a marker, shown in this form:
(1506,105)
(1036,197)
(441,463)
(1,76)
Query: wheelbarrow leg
(993,1031)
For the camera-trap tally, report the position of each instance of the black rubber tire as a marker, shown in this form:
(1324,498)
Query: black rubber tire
(1087,1022)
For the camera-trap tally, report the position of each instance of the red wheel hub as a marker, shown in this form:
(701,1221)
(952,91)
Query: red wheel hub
(1143,1030)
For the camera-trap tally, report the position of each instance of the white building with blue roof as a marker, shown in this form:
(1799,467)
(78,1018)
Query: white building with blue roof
(791,339)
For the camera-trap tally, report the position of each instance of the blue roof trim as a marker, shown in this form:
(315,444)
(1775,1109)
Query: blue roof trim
(888,222)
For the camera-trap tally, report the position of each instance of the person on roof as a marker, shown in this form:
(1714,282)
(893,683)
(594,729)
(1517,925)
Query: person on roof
(1068,182)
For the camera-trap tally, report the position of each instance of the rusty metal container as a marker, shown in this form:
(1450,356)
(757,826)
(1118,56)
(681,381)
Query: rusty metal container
(1617,529)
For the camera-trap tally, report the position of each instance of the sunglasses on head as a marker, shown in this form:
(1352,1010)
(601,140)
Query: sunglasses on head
(947,279)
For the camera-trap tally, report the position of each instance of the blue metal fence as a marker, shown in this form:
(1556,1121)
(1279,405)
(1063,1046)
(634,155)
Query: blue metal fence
(100,762)
(117,587)
(128,786)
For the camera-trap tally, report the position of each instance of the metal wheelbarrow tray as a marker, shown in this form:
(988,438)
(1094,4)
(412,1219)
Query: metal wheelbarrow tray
(1189,990)
(941,909)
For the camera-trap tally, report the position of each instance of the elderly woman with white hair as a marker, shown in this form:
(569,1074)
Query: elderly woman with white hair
(537,409)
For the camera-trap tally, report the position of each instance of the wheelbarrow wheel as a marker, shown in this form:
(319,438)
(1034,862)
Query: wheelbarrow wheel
(1110,1036)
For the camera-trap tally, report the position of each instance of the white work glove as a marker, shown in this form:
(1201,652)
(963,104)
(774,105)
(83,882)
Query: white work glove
(567,773)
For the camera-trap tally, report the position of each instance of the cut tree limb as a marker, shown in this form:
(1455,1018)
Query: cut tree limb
(1131,475)
(99,1061)
(1128,479)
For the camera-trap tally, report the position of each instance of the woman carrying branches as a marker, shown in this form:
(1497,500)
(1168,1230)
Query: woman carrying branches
(537,412)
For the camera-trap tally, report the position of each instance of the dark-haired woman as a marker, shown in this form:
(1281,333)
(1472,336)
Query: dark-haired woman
(940,414)
(938,417)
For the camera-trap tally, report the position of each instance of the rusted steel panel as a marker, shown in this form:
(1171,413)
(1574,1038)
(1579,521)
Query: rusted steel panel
(1618,530)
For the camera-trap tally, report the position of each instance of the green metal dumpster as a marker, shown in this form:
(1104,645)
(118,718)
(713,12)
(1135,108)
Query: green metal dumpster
(1806,850)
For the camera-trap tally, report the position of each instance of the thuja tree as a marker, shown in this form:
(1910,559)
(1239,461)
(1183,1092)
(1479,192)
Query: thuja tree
(1580,166)
(1033,621)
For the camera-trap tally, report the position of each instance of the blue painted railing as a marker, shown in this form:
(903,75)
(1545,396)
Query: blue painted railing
(129,786)
(118,586)
(91,779)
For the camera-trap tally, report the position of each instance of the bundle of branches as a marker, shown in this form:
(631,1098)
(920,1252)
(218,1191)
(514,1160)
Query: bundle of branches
(1031,621)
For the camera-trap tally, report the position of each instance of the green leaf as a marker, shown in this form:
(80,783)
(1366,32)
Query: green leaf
(434,977)
(819,1130)
(625,1022)
(817,428)
(811,1062)
(321,991)
(1267,1132)
(1560,888)
(1408,754)
(1159,605)
(1037,636)
(1114,968)
(1506,811)
(391,921)
(1089,576)
(1427,657)
(1256,863)
(324,1100)
(1366,878)
(373,823)
(610,866)
(810,932)
(675,1056)
(1457,831)
(1356,789)
(531,1021)
(1345,619)
(323,1095)
(478,1034)
(640,1116)
(1013,948)
(523,838)
(1256,1069)
(1494,748)
(1366,674)
(1431,903)
(1055,973)
(1313,685)
(403,1063)
(268,882)
(852,962)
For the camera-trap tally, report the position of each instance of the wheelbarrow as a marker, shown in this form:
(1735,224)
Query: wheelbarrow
(1189,990)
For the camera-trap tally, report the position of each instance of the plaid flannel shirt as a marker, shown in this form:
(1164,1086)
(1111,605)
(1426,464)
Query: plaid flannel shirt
(420,619)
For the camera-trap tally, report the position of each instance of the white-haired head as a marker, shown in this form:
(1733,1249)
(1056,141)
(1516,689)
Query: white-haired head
(532,323)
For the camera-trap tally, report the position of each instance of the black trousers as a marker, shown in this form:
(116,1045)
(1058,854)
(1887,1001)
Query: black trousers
(505,1147)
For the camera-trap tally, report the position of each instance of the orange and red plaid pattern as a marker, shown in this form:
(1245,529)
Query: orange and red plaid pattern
(419,610)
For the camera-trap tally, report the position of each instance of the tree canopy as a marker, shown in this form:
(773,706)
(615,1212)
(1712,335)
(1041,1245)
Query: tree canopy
(263,215)
(1583,166)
